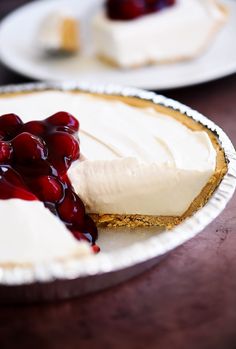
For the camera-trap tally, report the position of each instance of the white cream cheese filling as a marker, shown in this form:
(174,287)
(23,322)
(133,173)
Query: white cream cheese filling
(178,32)
(30,233)
(134,160)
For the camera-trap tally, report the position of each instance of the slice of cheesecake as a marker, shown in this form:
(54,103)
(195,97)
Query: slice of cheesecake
(177,32)
(59,32)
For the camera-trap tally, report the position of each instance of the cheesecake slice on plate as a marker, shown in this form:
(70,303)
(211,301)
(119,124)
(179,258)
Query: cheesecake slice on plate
(133,33)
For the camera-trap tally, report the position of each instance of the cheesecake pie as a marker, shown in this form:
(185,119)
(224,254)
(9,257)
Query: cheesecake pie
(133,33)
(137,164)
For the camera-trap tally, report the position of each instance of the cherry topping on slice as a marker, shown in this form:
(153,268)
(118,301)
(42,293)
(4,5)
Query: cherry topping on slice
(125,9)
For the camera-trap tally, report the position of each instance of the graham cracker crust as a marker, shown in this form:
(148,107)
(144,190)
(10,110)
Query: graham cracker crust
(69,35)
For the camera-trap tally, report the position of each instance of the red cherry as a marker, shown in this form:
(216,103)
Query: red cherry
(63,149)
(36,128)
(10,124)
(64,119)
(64,144)
(27,147)
(125,9)
(47,188)
(71,210)
(5,152)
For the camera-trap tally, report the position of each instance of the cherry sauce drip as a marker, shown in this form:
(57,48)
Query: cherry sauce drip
(34,160)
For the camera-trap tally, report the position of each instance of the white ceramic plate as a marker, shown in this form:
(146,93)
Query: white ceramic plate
(124,252)
(19,51)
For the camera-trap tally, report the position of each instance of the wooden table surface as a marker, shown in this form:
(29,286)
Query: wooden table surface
(187,301)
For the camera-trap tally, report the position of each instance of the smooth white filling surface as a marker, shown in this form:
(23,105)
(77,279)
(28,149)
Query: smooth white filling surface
(177,32)
(134,160)
(30,233)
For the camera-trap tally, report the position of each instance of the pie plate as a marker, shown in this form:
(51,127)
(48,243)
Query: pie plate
(124,252)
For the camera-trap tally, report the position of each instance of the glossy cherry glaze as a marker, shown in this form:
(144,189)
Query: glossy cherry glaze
(34,160)
(132,9)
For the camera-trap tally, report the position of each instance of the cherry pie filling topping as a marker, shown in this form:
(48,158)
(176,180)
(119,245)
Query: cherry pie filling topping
(131,9)
(34,160)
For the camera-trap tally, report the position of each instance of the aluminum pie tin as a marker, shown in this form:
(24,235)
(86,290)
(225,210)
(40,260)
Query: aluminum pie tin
(58,280)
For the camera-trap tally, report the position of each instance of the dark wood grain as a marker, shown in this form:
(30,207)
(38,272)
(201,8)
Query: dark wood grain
(187,301)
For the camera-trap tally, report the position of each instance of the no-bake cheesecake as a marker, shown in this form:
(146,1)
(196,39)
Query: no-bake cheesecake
(140,164)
